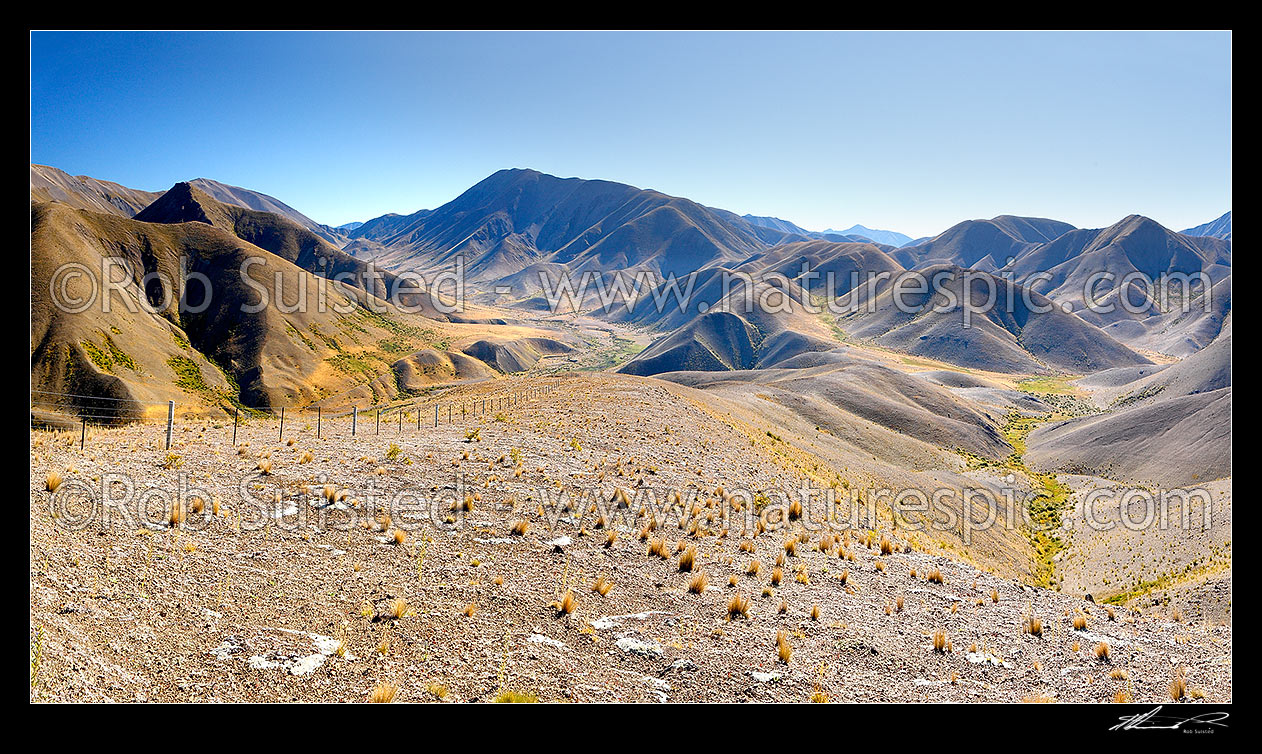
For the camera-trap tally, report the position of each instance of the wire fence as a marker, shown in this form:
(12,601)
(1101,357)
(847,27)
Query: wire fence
(57,410)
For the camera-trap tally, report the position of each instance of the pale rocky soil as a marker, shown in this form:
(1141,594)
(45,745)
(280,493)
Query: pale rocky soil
(220,609)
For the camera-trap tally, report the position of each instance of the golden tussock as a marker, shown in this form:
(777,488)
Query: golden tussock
(384,693)
(783,651)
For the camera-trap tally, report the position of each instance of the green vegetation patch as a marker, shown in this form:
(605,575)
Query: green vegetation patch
(188,376)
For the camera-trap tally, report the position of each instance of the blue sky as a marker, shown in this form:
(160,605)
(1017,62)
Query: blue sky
(911,132)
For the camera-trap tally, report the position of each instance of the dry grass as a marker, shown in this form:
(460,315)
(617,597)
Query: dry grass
(934,577)
(1034,626)
(1080,623)
(738,607)
(568,604)
(784,652)
(400,536)
(398,608)
(777,575)
(602,586)
(658,547)
(265,466)
(815,612)
(53,481)
(994,595)
(753,568)
(939,641)
(697,583)
(384,693)
(1178,686)
(1102,651)
(887,547)
(469,610)
(520,527)
(688,559)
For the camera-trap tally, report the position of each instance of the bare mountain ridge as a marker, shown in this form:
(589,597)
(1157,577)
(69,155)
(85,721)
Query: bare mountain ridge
(515,218)
(1218,228)
(49,184)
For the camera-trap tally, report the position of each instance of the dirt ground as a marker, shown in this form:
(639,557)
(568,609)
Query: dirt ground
(289,593)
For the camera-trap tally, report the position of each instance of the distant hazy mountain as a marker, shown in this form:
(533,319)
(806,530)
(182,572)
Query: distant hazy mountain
(1220,228)
(348,227)
(776,223)
(887,237)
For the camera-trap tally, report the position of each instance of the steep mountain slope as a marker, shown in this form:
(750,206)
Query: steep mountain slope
(1168,428)
(1220,228)
(49,184)
(1008,329)
(186,203)
(162,337)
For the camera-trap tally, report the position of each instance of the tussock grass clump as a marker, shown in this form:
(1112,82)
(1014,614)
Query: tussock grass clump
(994,595)
(602,586)
(1102,651)
(887,547)
(398,609)
(795,510)
(791,546)
(1080,623)
(176,516)
(939,641)
(1034,626)
(815,612)
(265,466)
(520,527)
(934,576)
(777,575)
(567,604)
(738,607)
(399,536)
(383,693)
(1178,686)
(688,559)
(753,568)
(698,582)
(469,610)
(611,538)
(784,652)
(53,481)
(515,697)
(658,547)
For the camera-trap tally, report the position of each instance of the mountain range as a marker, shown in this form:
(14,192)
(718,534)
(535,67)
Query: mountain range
(518,223)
